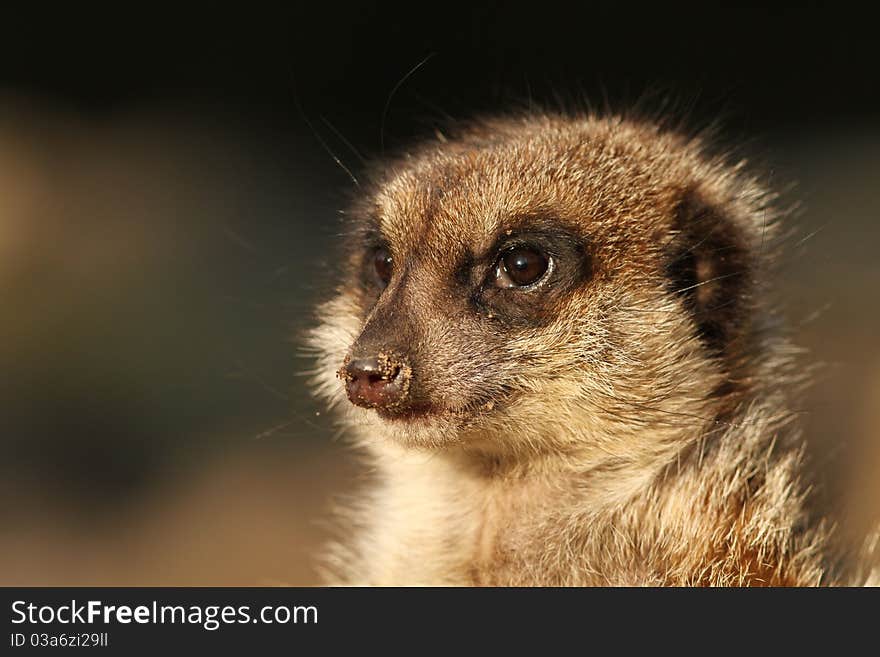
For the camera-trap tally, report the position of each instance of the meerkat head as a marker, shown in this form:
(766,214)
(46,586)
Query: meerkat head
(545,283)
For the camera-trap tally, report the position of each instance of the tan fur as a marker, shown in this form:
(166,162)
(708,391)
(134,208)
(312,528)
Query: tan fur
(602,440)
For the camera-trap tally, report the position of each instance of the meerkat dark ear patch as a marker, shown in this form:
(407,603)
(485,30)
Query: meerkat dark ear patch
(707,266)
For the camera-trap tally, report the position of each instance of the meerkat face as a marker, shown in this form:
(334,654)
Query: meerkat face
(541,284)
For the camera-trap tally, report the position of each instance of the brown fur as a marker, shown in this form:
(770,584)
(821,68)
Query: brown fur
(625,424)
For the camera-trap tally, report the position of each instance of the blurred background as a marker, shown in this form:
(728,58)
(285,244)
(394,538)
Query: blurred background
(169,206)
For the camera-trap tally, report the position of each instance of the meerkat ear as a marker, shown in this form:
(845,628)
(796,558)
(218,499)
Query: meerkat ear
(707,266)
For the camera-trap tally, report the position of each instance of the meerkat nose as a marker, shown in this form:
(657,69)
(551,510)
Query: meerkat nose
(376,382)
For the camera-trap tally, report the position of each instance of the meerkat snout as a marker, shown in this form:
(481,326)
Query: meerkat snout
(380,381)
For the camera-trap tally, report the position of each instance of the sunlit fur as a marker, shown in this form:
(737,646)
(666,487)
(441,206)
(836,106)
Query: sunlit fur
(607,443)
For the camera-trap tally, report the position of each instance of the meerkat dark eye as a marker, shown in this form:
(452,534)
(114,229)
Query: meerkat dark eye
(382,266)
(520,266)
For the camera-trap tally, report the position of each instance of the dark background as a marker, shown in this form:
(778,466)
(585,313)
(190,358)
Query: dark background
(169,204)
(764,67)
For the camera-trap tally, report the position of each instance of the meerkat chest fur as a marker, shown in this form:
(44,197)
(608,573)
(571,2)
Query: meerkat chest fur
(445,521)
(552,341)
(448,524)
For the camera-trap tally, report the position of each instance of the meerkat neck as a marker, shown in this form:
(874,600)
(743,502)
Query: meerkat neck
(743,433)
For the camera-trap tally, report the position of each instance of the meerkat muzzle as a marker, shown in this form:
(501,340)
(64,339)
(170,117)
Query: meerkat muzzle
(380,381)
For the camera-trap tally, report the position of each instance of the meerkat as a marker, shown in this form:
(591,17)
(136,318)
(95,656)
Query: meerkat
(552,341)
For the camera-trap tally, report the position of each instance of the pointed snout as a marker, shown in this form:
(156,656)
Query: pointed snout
(380,381)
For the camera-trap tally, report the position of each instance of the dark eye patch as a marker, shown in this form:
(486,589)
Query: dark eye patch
(383,265)
(521,267)
(532,305)
(465,268)
(376,261)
